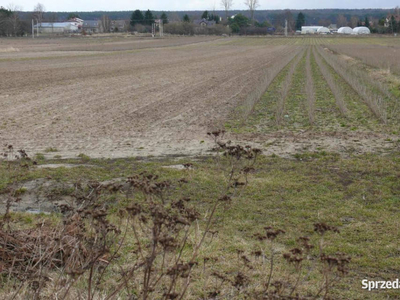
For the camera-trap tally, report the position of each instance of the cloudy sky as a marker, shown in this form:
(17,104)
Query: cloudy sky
(91,5)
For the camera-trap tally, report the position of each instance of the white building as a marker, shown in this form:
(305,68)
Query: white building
(345,30)
(361,30)
(64,27)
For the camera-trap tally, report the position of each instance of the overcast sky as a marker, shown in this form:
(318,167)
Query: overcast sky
(92,5)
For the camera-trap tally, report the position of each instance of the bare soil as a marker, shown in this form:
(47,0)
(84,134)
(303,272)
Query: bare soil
(129,96)
(151,101)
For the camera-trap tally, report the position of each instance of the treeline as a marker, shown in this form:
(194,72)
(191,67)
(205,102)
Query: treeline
(147,18)
(14,22)
(141,22)
(272,16)
(11,24)
(215,24)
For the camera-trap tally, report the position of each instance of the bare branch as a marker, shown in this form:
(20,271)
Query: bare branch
(252,5)
(227,5)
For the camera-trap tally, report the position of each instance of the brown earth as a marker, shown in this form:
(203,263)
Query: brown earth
(129,96)
(107,102)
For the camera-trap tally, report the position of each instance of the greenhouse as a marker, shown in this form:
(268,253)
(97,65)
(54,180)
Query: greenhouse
(361,30)
(345,30)
(323,30)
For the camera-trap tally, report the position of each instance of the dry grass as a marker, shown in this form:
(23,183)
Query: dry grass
(147,243)
(8,50)
(357,195)
(383,57)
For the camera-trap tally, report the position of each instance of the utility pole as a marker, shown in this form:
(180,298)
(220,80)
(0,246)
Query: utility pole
(286,27)
(160,25)
(33,29)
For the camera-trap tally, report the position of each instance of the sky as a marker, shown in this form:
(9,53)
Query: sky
(174,5)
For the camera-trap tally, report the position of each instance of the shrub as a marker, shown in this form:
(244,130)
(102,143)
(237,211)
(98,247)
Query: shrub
(214,30)
(183,28)
(142,28)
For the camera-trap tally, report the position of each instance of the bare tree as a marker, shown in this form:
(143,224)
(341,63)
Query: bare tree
(106,23)
(53,17)
(13,20)
(252,5)
(354,21)
(38,12)
(227,5)
(341,21)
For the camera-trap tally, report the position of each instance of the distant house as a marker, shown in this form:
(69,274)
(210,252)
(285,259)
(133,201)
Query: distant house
(333,27)
(77,22)
(204,23)
(118,26)
(389,19)
(92,27)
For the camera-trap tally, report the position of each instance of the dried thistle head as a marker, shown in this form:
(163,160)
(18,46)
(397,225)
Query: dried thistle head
(304,242)
(272,233)
(340,261)
(322,228)
(257,253)
(240,280)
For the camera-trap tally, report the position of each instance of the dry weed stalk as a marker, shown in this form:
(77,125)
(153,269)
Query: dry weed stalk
(235,162)
(85,248)
(152,248)
(255,276)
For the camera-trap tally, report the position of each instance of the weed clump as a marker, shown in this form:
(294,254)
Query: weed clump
(149,245)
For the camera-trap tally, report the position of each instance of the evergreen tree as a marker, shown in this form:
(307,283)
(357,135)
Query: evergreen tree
(148,17)
(366,22)
(393,26)
(164,18)
(72,16)
(238,22)
(137,18)
(215,18)
(301,21)
(205,15)
(186,18)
